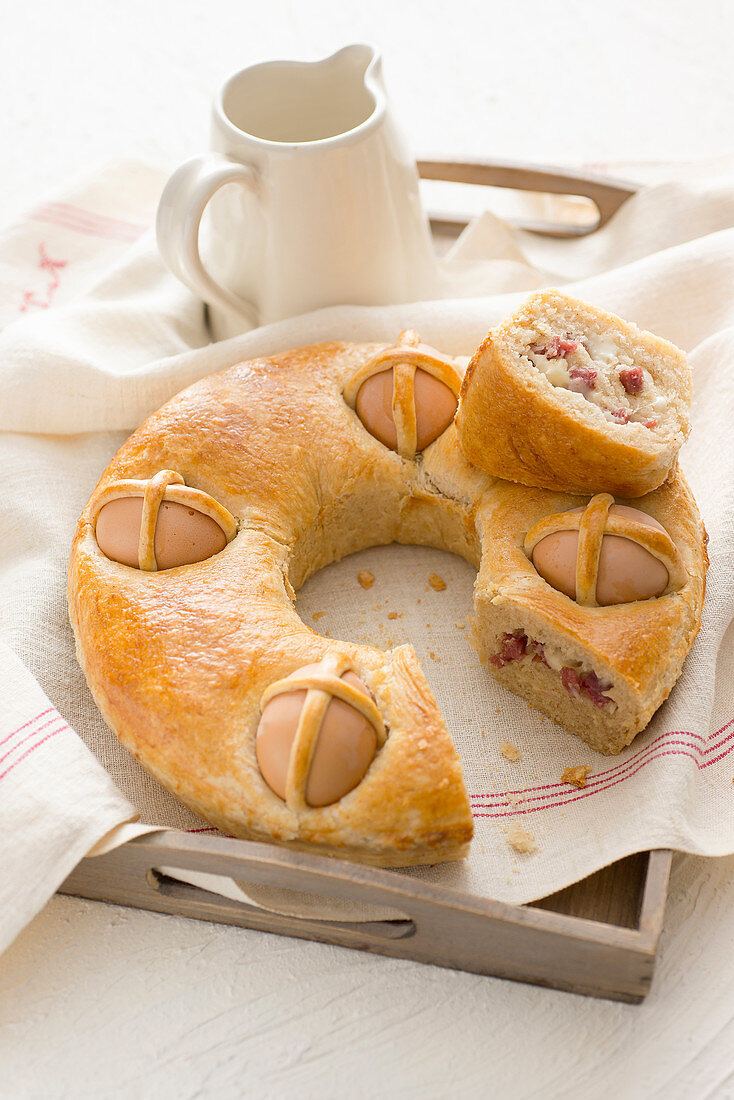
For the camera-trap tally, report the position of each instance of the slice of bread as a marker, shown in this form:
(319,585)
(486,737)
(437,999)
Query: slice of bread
(600,672)
(565,396)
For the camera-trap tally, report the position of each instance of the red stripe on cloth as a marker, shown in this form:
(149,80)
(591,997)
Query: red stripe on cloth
(211,829)
(708,763)
(728,738)
(599,781)
(604,777)
(67,221)
(515,811)
(33,748)
(25,725)
(617,767)
(28,736)
(90,219)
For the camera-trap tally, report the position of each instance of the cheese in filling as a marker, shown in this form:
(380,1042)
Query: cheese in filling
(595,368)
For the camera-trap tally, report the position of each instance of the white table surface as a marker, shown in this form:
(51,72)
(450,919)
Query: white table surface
(100,1001)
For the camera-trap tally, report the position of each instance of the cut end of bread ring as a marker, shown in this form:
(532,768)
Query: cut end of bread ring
(605,554)
(600,671)
(160,523)
(318,733)
(406,396)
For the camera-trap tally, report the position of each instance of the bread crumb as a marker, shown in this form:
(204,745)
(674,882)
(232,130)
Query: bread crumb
(392,614)
(365,578)
(522,840)
(496,710)
(509,751)
(437,582)
(459,625)
(577,775)
(318,615)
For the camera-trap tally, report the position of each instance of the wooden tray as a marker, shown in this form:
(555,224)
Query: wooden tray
(597,937)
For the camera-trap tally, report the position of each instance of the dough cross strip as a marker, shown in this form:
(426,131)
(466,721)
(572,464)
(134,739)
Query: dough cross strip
(165,485)
(321,686)
(592,524)
(405,358)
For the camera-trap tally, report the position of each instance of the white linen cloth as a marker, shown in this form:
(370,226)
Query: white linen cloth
(96,335)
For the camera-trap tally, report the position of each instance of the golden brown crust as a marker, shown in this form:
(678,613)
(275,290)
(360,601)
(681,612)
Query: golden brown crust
(179,660)
(513,423)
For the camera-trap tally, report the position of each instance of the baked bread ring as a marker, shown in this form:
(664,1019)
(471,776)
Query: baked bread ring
(565,396)
(181,660)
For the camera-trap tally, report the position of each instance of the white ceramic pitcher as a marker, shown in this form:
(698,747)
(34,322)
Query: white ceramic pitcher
(311,197)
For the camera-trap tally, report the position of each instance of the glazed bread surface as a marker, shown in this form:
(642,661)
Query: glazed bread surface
(178,660)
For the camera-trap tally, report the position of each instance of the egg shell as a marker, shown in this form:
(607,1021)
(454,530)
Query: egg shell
(627,572)
(435,407)
(182,535)
(345,747)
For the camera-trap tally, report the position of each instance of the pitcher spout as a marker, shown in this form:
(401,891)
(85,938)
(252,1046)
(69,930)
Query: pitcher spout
(355,74)
(303,102)
(365,63)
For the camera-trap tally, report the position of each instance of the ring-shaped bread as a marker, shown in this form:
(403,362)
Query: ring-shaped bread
(180,660)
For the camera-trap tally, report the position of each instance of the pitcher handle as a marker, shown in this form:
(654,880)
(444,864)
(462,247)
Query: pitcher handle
(180,210)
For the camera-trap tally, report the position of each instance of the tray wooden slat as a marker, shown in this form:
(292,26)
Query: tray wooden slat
(606,193)
(613,895)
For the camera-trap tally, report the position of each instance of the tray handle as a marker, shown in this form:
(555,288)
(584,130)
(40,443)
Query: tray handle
(607,194)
